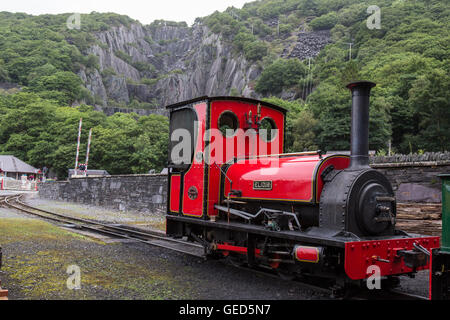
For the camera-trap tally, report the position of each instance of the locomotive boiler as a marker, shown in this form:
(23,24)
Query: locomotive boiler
(233,190)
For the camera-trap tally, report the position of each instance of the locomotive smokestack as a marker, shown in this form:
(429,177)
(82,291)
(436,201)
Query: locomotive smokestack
(360,123)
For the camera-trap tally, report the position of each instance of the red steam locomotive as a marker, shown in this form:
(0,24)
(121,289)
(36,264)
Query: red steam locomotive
(328,217)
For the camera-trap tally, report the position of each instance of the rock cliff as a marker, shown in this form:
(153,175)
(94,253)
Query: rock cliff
(154,66)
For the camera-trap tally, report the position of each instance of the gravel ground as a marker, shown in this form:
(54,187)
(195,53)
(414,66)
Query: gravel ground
(417,285)
(36,255)
(147,220)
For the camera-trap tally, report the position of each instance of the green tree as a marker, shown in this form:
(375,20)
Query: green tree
(4,77)
(65,82)
(281,74)
(303,132)
(152,144)
(254,51)
(326,21)
(429,97)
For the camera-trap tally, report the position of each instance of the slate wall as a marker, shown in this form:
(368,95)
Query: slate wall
(415,182)
(144,193)
(412,182)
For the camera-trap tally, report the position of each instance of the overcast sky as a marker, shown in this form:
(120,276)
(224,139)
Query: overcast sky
(144,11)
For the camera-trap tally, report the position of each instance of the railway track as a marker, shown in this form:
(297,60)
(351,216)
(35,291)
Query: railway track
(113,230)
(160,240)
(354,294)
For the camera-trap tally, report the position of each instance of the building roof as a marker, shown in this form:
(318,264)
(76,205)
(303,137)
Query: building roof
(12,164)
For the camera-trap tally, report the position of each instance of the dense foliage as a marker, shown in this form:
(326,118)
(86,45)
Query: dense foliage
(408,58)
(42,55)
(43,133)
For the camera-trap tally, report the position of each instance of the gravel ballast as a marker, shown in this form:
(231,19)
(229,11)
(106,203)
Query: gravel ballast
(37,255)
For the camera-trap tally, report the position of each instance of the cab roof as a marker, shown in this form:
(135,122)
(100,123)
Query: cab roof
(210,99)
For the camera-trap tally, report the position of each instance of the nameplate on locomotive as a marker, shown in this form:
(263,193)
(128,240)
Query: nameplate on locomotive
(262,185)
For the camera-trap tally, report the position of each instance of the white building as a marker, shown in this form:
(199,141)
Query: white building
(13,167)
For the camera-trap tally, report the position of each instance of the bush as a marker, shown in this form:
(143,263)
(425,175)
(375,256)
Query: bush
(64,82)
(254,51)
(125,57)
(326,21)
(282,73)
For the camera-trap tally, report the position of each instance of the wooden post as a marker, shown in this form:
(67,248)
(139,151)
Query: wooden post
(78,146)
(87,152)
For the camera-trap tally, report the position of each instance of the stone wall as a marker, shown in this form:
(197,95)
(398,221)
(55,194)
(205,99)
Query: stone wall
(412,181)
(143,193)
(415,181)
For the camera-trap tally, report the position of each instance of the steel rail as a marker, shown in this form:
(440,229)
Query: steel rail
(150,238)
(127,233)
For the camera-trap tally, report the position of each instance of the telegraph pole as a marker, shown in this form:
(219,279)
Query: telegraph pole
(350,53)
(278,27)
(305,84)
(389,147)
(87,152)
(311,72)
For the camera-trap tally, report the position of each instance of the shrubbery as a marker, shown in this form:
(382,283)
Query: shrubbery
(281,74)
(327,21)
(41,132)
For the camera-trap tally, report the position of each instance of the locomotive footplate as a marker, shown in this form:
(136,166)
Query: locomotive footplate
(394,255)
(314,235)
(391,256)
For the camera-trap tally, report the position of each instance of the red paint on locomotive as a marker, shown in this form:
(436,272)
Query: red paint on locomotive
(207,115)
(359,255)
(294,178)
(194,176)
(175,183)
(306,254)
(241,109)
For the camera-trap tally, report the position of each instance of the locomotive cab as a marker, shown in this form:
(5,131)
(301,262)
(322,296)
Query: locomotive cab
(207,133)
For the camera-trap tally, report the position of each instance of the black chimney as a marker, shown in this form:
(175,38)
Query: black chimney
(360,124)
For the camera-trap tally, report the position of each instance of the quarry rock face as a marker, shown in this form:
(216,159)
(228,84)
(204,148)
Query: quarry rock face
(308,44)
(161,65)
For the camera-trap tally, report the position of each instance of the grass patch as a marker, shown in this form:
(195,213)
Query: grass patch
(17,229)
(37,255)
